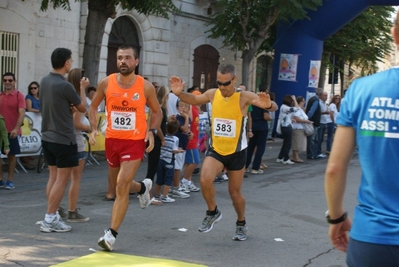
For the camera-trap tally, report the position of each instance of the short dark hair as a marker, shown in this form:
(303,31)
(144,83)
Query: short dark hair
(127,46)
(299,99)
(59,57)
(287,100)
(9,74)
(226,68)
(91,88)
(172,127)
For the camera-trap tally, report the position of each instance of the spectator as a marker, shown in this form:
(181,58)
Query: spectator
(167,162)
(372,239)
(57,99)
(285,120)
(270,123)
(325,121)
(314,114)
(81,125)
(12,108)
(32,98)
(159,140)
(91,90)
(260,117)
(298,134)
(182,134)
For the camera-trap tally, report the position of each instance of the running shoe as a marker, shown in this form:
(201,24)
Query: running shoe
(209,221)
(241,233)
(57,226)
(107,241)
(144,198)
(167,199)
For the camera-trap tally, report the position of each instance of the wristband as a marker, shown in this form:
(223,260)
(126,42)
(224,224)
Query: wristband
(250,130)
(271,105)
(338,220)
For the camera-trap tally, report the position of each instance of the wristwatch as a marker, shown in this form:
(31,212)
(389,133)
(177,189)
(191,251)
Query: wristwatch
(154,131)
(338,220)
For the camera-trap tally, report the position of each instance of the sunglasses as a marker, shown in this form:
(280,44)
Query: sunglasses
(33,88)
(225,83)
(8,80)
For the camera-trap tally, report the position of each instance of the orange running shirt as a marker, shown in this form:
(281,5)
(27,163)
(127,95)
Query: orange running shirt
(126,118)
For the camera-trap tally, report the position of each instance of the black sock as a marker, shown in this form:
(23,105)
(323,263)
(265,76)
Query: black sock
(240,223)
(212,212)
(142,190)
(113,232)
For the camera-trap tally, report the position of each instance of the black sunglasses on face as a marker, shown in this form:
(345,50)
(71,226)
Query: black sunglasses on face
(8,80)
(225,83)
(33,88)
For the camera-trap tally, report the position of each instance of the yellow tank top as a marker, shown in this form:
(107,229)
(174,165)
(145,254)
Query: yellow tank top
(126,118)
(228,125)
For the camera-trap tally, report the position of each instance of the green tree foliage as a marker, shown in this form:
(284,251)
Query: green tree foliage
(99,12)
(244,25)
(363,42)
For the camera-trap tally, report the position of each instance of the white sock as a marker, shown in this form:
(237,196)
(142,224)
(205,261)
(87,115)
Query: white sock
(189,182)
(184,181)
(49,218)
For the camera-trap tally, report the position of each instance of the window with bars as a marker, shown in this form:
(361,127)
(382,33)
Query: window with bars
(9,46)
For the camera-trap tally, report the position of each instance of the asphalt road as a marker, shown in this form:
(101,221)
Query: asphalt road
(284,213)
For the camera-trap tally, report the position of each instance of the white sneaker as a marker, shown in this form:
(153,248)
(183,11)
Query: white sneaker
(257,171)
(193,188)
(57,226)
(225,177)
(144,198)
(321,156)
(107,241)
(178,193)
(247,170)
(184,187)
(288,161)
(279,160)
(167,199)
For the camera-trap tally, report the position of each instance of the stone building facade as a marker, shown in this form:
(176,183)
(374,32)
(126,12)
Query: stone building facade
(175,46)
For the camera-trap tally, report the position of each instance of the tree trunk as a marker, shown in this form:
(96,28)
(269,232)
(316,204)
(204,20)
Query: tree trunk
(247,57)
(93,39)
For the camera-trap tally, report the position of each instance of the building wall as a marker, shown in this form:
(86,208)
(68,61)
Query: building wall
(39,34)
(167,44)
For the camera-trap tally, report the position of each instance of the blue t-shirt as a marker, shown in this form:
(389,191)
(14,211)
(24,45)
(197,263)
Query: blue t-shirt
(183,137)
(371,107)
(35,102)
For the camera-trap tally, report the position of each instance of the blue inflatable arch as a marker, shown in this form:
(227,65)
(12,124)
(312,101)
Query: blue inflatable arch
(302,42)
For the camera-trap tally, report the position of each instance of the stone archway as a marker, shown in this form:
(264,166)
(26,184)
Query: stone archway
(123,31)
(206,63)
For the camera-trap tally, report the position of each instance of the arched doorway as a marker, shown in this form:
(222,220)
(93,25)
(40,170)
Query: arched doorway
(123,32)
(206,63)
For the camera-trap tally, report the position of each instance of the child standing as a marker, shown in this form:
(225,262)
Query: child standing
(166,164)
(182,134)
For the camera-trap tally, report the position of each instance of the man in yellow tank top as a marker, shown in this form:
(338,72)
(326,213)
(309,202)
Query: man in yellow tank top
(127,133)
(228,141)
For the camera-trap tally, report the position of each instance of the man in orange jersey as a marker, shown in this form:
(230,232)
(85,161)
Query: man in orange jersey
(126,95)
(228,143)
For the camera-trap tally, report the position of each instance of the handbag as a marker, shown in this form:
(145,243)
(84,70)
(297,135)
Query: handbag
(308,128)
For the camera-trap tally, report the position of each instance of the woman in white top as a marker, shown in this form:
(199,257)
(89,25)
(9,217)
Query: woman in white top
(299,140)
(285,121)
